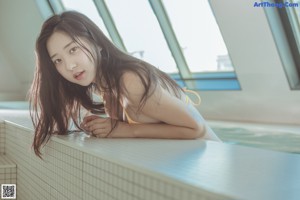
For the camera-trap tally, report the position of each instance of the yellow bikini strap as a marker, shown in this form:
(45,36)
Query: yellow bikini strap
(196,94)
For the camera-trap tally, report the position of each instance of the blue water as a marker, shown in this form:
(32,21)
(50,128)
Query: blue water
(260,138)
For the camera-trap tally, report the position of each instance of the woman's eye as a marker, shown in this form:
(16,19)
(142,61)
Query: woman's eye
(74,49)
(57,61)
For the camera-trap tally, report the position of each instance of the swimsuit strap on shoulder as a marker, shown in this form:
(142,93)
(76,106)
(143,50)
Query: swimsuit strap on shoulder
(194,93)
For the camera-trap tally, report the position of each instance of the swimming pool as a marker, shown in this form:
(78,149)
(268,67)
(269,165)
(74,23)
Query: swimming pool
(273,137)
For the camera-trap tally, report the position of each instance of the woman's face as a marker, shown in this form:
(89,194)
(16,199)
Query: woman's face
(72,61)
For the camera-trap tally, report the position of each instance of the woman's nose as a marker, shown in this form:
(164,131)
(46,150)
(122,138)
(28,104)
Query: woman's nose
(70,65)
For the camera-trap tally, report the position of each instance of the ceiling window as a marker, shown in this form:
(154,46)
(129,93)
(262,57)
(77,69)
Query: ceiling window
(141,33)
(180,38)
(88,8)
(198,35)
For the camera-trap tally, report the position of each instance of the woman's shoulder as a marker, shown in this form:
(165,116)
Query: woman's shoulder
(134,82)
(128,76)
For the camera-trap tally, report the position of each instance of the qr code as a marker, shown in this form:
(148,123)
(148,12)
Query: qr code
(8,191)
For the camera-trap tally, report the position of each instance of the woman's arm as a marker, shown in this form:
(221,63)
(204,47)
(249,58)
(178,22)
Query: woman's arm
(178,119)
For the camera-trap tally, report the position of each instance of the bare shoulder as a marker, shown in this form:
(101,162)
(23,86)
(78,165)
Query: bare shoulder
(134,87)
(133,83)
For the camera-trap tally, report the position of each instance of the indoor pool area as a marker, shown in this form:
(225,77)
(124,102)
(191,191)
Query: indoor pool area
(285,138)
(175,100)
(184,169)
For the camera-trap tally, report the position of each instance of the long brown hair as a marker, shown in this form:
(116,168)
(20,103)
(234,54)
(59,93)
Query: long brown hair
(54,101)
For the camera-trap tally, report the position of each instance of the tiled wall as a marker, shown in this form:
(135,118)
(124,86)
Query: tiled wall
(103,179)
(8,171)
(68,173)
(2,137)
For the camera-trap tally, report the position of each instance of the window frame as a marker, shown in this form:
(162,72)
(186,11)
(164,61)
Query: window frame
(291,38)
(285,41)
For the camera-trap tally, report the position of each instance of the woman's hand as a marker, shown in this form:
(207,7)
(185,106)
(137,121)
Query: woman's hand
(100,127)
(96,126)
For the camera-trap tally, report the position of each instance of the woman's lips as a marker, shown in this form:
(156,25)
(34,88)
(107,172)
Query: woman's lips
(79,75)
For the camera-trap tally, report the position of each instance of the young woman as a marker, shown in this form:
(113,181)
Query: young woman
(75,59)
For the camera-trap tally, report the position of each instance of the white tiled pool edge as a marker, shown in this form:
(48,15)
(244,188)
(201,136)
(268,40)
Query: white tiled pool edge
(73,173)
(79,167)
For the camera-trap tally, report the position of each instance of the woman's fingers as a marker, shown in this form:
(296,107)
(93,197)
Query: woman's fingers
(101,135)
(100,132)
(96,121)
(89,118)
(97,126)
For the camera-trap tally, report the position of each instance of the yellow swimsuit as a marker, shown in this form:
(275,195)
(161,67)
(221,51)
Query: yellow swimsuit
(187,100)
(129,120)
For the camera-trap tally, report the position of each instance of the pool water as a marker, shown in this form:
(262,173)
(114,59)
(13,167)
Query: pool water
(272,138)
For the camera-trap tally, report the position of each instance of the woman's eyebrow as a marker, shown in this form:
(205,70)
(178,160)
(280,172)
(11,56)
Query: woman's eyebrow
(67,45)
